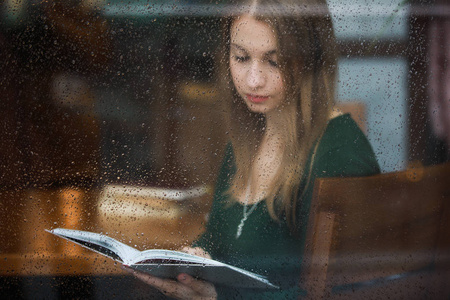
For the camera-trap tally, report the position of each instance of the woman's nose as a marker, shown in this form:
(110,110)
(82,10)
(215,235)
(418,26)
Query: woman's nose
(255,77)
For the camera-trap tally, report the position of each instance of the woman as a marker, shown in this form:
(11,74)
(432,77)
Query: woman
(279,60)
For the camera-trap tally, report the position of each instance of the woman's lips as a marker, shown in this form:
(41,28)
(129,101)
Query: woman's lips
(256,98)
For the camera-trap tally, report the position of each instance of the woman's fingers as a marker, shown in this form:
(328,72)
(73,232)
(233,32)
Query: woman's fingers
(196,251)
(167,287)
(200,287)
(186,287)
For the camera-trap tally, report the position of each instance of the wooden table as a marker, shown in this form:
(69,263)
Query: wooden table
(26,249)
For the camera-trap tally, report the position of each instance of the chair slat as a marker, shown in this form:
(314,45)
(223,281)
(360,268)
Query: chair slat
(385,228)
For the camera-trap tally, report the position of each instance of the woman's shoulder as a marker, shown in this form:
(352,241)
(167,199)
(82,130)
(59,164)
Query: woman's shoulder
(343,122)
(341,130)
(345,150)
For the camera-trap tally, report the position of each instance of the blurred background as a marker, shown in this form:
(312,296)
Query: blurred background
(97,93)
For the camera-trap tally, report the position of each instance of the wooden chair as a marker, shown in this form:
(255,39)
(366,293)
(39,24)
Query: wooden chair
(384,236)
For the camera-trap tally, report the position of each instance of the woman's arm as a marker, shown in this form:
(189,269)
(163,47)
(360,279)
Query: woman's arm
(211,240)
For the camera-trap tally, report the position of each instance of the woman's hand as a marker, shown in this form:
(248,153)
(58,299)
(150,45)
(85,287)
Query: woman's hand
(185,287)
(196,251)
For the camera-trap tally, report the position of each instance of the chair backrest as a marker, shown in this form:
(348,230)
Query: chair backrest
(387,234)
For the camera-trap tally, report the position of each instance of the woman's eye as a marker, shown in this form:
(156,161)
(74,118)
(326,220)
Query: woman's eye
(241,58)
(273,63)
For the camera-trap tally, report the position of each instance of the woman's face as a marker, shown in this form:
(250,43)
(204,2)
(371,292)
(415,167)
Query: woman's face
(254,65)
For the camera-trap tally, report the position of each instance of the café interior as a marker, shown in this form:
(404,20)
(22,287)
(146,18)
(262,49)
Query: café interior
(110,114)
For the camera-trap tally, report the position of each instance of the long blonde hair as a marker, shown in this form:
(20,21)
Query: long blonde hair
(307,58)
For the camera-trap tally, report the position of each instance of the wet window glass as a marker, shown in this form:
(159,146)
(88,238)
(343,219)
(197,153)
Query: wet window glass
(291,148)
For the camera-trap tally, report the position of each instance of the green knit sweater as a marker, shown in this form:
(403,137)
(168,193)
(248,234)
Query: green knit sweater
(268,247)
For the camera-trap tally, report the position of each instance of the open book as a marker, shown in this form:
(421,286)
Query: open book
(165,263)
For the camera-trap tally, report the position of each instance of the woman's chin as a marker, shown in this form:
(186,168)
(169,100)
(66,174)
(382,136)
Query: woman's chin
(258,108)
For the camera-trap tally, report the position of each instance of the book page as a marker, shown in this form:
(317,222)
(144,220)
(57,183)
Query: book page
(99,243)
(146,256)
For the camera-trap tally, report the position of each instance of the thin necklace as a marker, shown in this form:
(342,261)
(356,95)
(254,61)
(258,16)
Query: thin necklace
(246,212)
